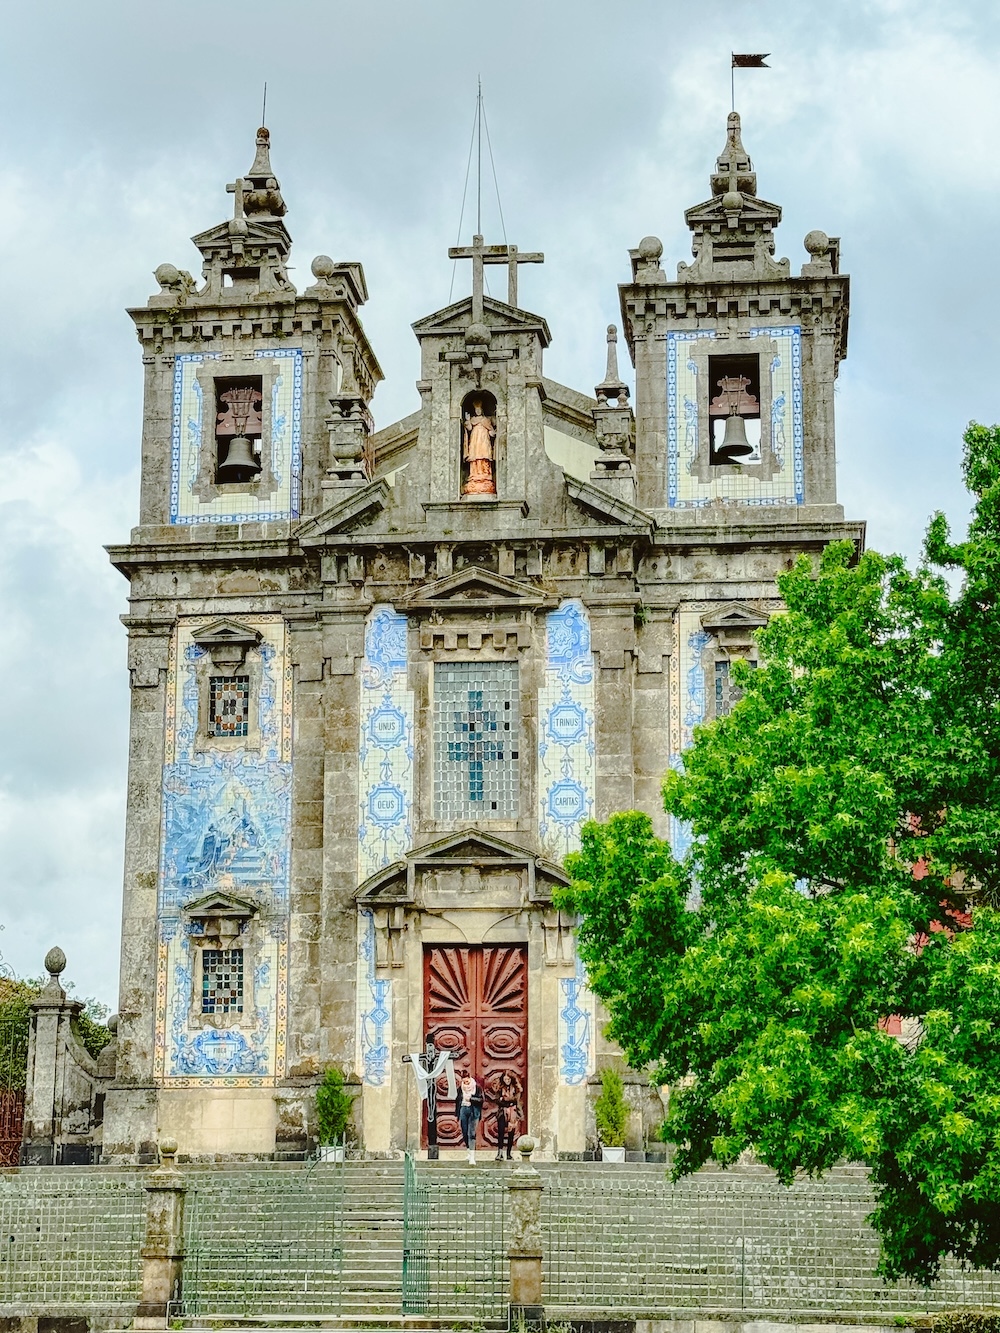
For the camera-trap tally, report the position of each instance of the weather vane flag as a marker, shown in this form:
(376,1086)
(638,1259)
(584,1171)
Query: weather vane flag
(745,61)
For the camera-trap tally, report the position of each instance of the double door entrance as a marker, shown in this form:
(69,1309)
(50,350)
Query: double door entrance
(476,1002)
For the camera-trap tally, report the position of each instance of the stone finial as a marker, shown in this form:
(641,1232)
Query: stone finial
(261,192)
(322,268)
(612,386)
(526,1145)
(646,260)
(176,285)
(55,962)
(734,173)
(823,252)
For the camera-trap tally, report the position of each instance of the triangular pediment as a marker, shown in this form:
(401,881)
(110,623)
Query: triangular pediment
(734,616)
(361,504)
(607,507)
(261,233)
(220,905)
(478,586)
(221,632)
(752,209)
(468,847)
(497,315)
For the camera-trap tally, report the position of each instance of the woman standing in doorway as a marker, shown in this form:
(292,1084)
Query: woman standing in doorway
(468,1108)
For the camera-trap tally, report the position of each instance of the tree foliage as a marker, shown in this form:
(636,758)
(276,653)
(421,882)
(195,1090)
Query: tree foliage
(844,868)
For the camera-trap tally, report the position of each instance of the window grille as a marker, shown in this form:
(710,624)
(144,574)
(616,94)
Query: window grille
(476,740)
(222,981)
(727,694)
(229,705)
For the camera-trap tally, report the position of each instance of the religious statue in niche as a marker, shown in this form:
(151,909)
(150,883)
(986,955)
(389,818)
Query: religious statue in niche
(478,434)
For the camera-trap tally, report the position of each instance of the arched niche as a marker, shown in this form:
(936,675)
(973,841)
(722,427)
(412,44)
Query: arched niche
(477,443)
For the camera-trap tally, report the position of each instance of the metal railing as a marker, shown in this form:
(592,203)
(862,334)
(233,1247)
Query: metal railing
(615,1239)
(264,1241)
(69,1239)
(455,1242)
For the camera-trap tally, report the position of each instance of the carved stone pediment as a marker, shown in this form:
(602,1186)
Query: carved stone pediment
(734,624)
(497,315)
(482,589)
(227,642)
(219,917)
(363,504)
(466,869)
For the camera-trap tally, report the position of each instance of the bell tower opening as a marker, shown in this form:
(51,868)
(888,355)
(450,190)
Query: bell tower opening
(734,409)
(238,429)
(479,434)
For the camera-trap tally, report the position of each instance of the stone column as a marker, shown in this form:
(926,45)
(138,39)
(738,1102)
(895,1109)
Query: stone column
(163,1251)
(525,1251)
(61,1075)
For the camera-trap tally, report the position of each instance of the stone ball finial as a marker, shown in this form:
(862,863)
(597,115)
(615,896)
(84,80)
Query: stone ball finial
(322,268)
(732,201)
(478,335)
(816,243)
(526,1145)
(55,961)
(113,1025)
(650,247)
(167,275)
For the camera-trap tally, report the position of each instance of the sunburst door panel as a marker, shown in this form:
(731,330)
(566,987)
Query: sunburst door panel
(476,1002)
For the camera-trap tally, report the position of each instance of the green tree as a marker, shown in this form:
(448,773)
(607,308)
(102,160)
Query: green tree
(845,823)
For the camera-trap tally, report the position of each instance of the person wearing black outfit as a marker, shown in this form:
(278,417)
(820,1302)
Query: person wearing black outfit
(507,1095)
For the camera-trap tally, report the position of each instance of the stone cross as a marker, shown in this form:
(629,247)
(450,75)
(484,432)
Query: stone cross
(481,255)
(237,188)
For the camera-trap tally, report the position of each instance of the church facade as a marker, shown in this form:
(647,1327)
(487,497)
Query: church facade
(381,679)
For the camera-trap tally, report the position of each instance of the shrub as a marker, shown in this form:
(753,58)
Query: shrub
(333,1107)
(610,1111)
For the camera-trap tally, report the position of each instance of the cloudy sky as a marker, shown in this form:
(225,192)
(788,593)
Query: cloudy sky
(122,123)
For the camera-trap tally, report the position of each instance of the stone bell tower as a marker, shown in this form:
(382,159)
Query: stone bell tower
(255,410)
(736,362)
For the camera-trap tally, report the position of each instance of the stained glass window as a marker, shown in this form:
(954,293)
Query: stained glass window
(229,705)
(476,740)
(222,981)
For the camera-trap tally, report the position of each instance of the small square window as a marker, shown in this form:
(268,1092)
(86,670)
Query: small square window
(727,694)
(229,705)
(222,981)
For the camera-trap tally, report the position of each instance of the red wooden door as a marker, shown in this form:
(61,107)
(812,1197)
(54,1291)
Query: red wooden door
(476,1000)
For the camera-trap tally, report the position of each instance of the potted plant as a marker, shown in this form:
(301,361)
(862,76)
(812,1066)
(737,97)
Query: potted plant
(611,1115)
(333,1111)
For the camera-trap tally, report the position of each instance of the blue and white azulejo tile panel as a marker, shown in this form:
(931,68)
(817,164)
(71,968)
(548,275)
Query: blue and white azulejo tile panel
(225,827)
(565,781)
(687,407)
(374,1034)
(576,1028)
(385,745)
(688,703)
(193,430)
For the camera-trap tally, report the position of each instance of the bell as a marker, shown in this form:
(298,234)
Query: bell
(735,446)
(240,464)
